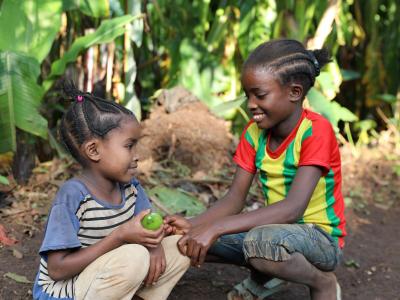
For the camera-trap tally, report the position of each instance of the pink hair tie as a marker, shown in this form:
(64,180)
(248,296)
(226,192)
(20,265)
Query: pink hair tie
(79,98)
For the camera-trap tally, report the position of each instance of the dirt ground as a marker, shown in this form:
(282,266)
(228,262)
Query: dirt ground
(370,268)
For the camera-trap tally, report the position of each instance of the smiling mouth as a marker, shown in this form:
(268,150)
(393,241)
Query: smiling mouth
(258,117)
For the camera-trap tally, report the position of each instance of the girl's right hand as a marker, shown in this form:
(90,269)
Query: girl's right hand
(175,224)
(133,232)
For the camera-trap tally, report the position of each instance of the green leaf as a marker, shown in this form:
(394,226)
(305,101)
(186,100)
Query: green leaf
(20,98)
(17,278)
(329,109)
(29,26)
(365,125)
(229,105)
(107,32)
(4,180)
(387,98)
(93,8)
(349,74)
(177,201)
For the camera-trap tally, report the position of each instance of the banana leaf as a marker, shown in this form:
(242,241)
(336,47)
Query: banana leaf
(329,109)
(107,32)
(93,8)
(20,97)
(29,26)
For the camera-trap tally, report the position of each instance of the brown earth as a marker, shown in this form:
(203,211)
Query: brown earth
(370,268)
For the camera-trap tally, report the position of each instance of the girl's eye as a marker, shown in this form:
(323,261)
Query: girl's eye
(261,96)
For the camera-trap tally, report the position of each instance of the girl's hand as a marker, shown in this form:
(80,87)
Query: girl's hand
(196,243)
(133,232)
(175,224)
(157,267)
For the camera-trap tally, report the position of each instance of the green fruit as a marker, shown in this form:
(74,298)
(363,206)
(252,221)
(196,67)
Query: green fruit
(152,221)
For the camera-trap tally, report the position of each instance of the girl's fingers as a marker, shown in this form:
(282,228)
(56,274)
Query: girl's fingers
(153,233)
(189,249)
(141,215)
(163,266)
(169,219)
(182,245)
(150,275)
(157,272)
(202,256)
(195,256)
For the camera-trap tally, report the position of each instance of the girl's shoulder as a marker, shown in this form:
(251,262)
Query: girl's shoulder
(71,191)
(317,118)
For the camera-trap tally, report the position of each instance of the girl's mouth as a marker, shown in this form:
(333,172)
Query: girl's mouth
(258,117)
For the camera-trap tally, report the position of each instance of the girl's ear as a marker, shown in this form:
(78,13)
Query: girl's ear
(296,92)
(91,150)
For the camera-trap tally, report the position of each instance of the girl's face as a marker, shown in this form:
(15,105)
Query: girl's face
(119,159)
(269,102)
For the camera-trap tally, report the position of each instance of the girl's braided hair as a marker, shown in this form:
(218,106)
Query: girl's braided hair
(89,116)
(289,61)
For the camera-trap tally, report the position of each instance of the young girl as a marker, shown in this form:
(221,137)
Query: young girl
(94,245)
(298,236)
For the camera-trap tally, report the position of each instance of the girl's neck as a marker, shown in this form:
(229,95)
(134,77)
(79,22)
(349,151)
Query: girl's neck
(282,130)
(101,187)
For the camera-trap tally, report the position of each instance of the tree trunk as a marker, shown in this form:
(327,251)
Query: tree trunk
(24,158)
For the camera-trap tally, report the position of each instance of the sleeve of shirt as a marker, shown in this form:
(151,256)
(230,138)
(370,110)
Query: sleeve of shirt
(245,152)
(142,201)
(61,229)
(316,149)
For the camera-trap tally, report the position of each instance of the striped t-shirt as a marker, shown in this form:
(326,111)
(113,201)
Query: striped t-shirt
(312,142)
(77,219)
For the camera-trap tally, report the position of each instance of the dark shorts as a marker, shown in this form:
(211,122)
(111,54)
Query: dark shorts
(277,242)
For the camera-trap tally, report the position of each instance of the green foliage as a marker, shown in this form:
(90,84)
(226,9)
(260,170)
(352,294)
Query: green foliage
(29,26)
(20,98)
(27,31)
(93,8)
(108,31)
(330,109)
(177,201)
(4,180)
(206,54)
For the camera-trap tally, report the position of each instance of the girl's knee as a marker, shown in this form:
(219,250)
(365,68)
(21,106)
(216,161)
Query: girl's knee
(133,261)
(172,253)
(267,242)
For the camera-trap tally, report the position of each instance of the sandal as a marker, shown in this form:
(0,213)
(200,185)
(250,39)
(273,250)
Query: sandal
(338,292)
(250,290)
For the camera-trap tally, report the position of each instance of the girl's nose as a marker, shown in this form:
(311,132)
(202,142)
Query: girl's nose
(251,103)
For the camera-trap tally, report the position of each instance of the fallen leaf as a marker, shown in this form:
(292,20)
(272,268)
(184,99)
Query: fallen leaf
(18,254)
(17,278)
(4,239)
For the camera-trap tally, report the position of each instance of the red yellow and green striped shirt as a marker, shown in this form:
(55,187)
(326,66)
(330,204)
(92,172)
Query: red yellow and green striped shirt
(312,142)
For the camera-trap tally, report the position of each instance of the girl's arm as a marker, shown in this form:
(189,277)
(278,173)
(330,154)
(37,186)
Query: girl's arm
(197,241)
(287,211)
(64,264)
(231,203)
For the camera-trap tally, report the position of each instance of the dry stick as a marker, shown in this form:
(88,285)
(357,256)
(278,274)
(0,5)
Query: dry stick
(16,213)
(158,203)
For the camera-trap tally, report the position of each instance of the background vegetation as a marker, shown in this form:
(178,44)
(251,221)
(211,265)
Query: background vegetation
(129,49)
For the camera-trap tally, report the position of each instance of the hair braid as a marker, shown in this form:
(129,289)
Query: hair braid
(289,61)
(89,116)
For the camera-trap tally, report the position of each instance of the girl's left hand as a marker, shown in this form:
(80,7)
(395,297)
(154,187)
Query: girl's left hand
(196,243)
(157,267)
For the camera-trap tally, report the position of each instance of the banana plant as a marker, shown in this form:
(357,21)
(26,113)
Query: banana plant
(22,50)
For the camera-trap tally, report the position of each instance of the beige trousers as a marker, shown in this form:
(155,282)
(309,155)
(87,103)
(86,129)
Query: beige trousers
(119,273)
